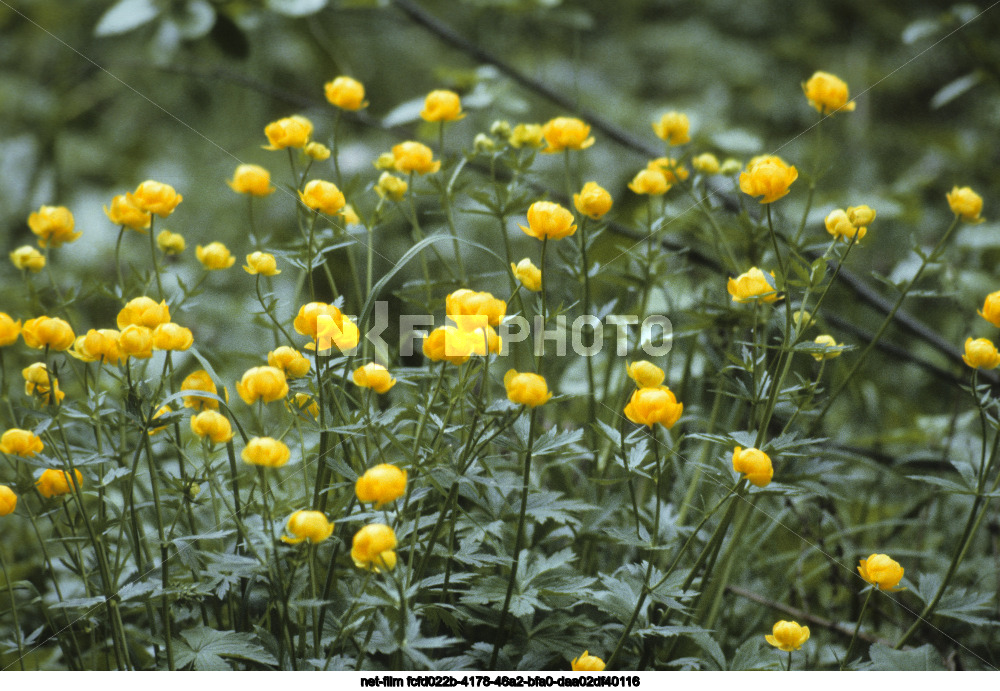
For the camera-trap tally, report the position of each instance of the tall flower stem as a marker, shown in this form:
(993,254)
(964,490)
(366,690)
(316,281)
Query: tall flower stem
(813,179)
(118,263)
(857,627)
(152,254)
(13,611)
(591,388)
(154,482)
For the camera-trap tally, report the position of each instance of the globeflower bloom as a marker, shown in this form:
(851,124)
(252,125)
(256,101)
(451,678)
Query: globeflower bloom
(155,197)
(480,308)
(850,223)
(587,663)
(306,320)
(827,93)
(787,636)
(305,402)
(830,342)
(200,380)
(27,258)
(252,180)
(442,106)
(372,548)
(964,203)
(172,336)
(54,483)
(322,196)
(53,225)
(645,374)
(651,182)
(529,275)
(290,361)
(9,329)
(317,151)
(288,133)
(125,211)
(548,220)
(51,332)
(214,256)
(262,383)
(307,525)
(391,187)
(882,572)
(382,484)
(267,452)
(981,354)
(768,176)
(671,169)
(706,163)
(345,93)
(212,425)
(526,388)
(651,405)
(526,134)
(170,243)
(143,311)
(754,464)
(20,442)
(449,344)
(991,309)
(414,157)
(673,128)
(136,341)
(98,344)
(261,263)
(373,376)
(566,133)
(752,285)
(593,200)
(8,500)
(38,383)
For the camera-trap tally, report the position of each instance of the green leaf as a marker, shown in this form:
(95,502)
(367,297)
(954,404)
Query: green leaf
(204,649)
(922,659)
(955,88)
(126,15)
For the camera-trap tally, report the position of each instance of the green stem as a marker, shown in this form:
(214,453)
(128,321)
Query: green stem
(13,610)
(857,627)
(152,253)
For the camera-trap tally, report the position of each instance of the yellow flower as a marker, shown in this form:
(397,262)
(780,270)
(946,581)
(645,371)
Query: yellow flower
(391,187)
(706,163)
(289,361)
(50,332)
(442,106)
(9,329)
(803,319)
(211,424)
(528,274)
(317,151)
(827,93)
(20,442)
(755,464)
(964,203)
(481,308)
(593,200)
(125,211)
(144,311)
(170,243)
(526,388)
(981,354)
(291,132)
(307,525)
(136,341)
(333,330)
(830,342)
(98,344)
(846,224)
(262,383)
(449,344)
(527,134)
(645,374)
(172,336)
(882,572)
(261,263)
(730,166)
(787,636)
(385,161)
(990,311)
(304,401)
(372,548)
(651,405)
(161,411)
(566,133)
(768,176)
(252,180)
(345,93)
(375,377)
(648,181)
(382,484)
(53,225)
(200,380)
(214,256)
(322,196)
(28,258)
(8,500)
(53,483)
(414,157)
(350,215)
(671,169)
(305,322)
(549,220)
(155,197)
(673,128)
(37,383)
(267,452)
(752,285)
(587,663)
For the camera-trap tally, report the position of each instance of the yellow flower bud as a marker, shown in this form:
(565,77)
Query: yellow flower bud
(449,344)
(752,285)
(8,500)
(262,383)
(27,258)
(304,401)
(755,464)
(144,311)
(501,129)
(214,256)
(291,132)
(267,452)
(9,329)
(651,182)
(382,484)
(706,163)
(549,220)
(172,336)
(964,203)
(125,211)
(317,151)
(252,180)
(289,361)
(991,309)
(307,525)
(213,425)
(414,157)
(261,263)
(375,377)
(161,411)
(372,548)
(54,483)
(673,128)
(50,332)
(882,572)
(484,144)
(827,93)
(322,196)
(53,225)
(527,134)
(442,106)
(136,341)
(20,442)
(528,274)
(350,215)
(391,187)
(787,636)
(37,383)
(470,303)
(200,380)
(345,93)
(645,374)
(566,133)
(526,388)
(170,243)
(593,200)
(981,354)
(155,197)
(651,405)
(768,176)
(587,663)
(385,161)
(830,342)
(730,166)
